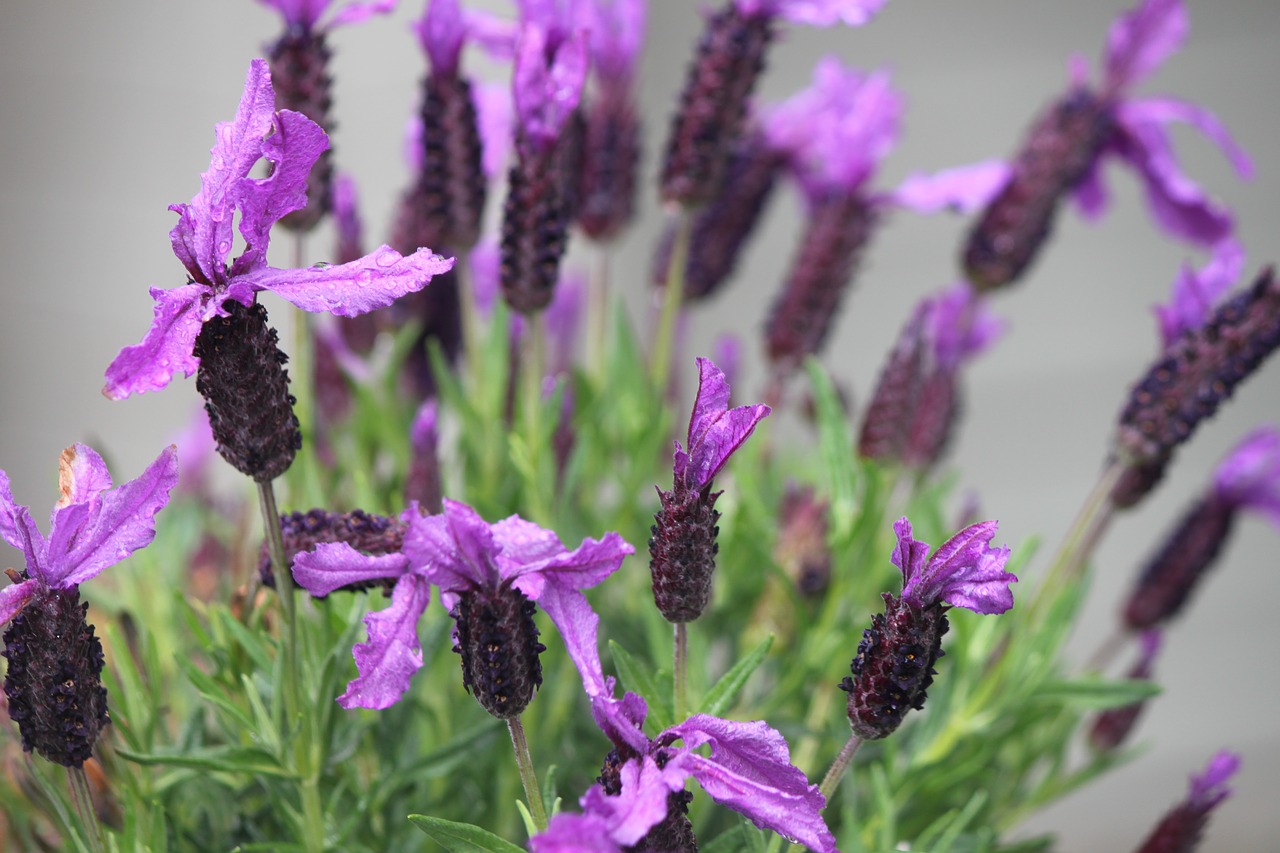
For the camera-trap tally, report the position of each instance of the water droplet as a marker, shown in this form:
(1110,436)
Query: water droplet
(364,277)
(321,265)
(224,246)
(387,258)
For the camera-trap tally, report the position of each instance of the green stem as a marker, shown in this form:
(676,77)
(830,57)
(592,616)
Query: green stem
(527,775)
(832,780)
(82,798)
(672,296)
(471,343)
(680,669)
(598,313)
(532,370)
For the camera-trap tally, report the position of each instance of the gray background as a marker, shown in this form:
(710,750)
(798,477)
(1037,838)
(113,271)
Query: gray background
(106,117)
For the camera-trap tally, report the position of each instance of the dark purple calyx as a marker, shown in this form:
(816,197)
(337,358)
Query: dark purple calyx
(838,228)
(682,551)
(303,531)
(1198,372)
(1059,150)
(499,645)
(893,667)
(610,156)
(885,425)
(246,392)
(728,61)
(933,422)
(300,75)
(534,229)
(54,679)
(1168,580)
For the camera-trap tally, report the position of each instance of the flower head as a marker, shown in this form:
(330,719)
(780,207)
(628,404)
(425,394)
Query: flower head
(1182,826)
(53,683)
(965,571)
(203,238)
(306,14)
(484,571)
(715,430)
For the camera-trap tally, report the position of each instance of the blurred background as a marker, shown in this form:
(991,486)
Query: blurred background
(107,118)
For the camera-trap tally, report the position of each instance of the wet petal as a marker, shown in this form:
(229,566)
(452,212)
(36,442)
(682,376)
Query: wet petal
(392,654)
(12,598)
(167,347)
(333,565)
(82,475)
(456,549)
(715,431)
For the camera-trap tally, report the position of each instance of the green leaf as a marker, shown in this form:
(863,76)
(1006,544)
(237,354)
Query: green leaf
(232,759)
(1092,693)
(720,697)
(462,837)
(743,837)
(835,446)
(637,679)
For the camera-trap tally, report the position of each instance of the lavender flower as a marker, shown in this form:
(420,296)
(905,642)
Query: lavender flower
(1195,293)
(1065,149)
(915,404)
(303,531)
(213,323)
(547,87)
(300,63)
(1248,479)
(54,684)
(894,664)
(1111,728)
(490,576)
(683,547)
(729,59)
(1180,829)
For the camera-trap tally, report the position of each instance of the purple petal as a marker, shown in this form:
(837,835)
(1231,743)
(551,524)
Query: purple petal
(1178,204)
(582,568)
(441,30)
(14,597)
(621,720)
(204,230)
(578,624)
(617,34)
(300,13)
(168,345)
(1209,788)
(349,290)
(1195,293)
(346,219)
(963,189)
(750,771)
(82,475)
(815,13)
(1250,475)
(292,150)
(965,571)
(1166,110)
(909,555)
(495,115)
(960,325)
(576,833)
(1141,39)
(546,95)
(1090,194)
(355,13)
(19,529)
(455,549)
(333,565)
(424,432)
(392,654)
(110,528)
(715,431)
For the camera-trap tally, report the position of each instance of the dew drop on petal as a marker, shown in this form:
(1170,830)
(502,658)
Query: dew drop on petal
(387,258)
(364,277)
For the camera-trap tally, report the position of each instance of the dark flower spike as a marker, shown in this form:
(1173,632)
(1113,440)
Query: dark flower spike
(1112,726)
(893,668)
(1179,831)
(202,240)
(1248,479)
(53,684)
(490,576)
(422,484)
(683,546)
(1066,147)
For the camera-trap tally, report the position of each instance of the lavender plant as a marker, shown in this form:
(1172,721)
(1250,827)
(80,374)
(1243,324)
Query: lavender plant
(282,683)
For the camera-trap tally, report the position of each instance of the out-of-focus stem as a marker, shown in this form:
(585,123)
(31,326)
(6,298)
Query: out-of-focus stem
(533,357)
(672,297)
(528,777)
(680,670)
(82,798)
(471,343)
(598,313)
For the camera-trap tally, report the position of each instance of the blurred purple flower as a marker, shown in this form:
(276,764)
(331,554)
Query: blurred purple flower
(306,14)
(1195,293)
(815,13)
(1182,826)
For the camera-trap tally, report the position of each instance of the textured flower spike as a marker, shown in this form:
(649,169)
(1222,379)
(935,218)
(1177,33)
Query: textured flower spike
(54,679)
(490,576)
(213,324)
(802,548)
(1112,726)
(728,61)
(300,64)
(1248,479)
(683,547)
(547,87)
(1196,374)
(303,531)
(915,405)
(1180,829)
(893,667)
(1065,148)
(610,148)
(422,483)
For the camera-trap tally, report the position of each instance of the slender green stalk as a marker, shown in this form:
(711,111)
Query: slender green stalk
(680,671)
(303,373)
(672,296)
(527,775)
(832,780)
(598,312)
(83,800)
(472,345)
(532,371)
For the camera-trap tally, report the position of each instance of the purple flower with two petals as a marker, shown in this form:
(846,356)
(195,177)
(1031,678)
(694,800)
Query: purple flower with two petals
(1182,826)
(489,576)
(893,667)
(683,547)
(203,237)
(54,682)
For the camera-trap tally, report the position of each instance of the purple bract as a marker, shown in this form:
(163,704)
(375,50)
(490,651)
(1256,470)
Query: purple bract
(964,572)
(715,430)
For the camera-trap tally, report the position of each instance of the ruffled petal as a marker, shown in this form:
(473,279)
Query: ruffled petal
(455,549)
(963,189)
(167,348)
(582,568)
(1195,293)
(621,720)
(547,94)
(333,565)
(84,543)
(349,290)
(578,625)
(1143,38)
(715,431)
(576,833)
(292,150)
(12,598)
(82,476)
(909,554)
(965,571)
(392,654)
(19,529)
(750,771)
